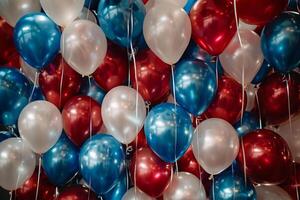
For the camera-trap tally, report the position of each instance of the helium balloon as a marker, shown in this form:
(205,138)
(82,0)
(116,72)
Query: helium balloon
(17,163)
(262,73)
(282,32)
(247,124)
(195,85)
(102,161)
(136,194)
(215,145)
(91,88)
(248,57)
(37,39)
(172,38)
(76,192)
(118,191)
(83,46)
(123,113)
(6,42)
(271,192)
(88,15)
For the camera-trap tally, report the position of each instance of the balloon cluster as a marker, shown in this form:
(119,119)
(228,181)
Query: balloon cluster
(152,99)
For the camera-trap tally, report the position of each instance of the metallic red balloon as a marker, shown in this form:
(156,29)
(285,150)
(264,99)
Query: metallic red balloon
(76,192)
(114,69)
(153,77)
(267,157)
(213,26)
(77,115)
(50,82)
(152,175)
(227,103)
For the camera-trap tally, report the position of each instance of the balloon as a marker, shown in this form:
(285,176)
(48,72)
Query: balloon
(83,46)
(150,174)
(88,15)
(193,51)
(123,113)
(228,102)
(76,192)
(117,19)
(136,194)
(248,124)
(213,26)
(153,77)
(61,161)
(169,131)
(81,118)
(90,88)
(117,192)
(251,91)
(185,186)
(267,157)
(248,57)
(102,161)
(17,163)
(291,184)
(172,38)
(195,85)
(262,73)
(29,71)
(6,41)
(113,71)
(189,5)
(62,12)
(282,32)
(271,192)
(215,145)
(37,39)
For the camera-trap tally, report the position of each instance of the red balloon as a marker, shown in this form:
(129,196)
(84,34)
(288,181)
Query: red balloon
(77,115)
(145,1)
(213,26)
(292,184)
(267,157)
(273,97)
(152,175)
(114,69)
(50,80)
(153,77)
(227,103)
(76,192)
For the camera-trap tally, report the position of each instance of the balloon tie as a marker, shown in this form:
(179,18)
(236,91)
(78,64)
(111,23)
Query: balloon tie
(90,127)
(34,85)
(38,178)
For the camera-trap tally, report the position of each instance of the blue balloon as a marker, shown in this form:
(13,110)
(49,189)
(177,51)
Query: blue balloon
(194,52)
(102,162)
(195,85)
(262,73)
(92,90)
(188,6)
(37,39)
(91,4)
(5,135)
(280,41)
(165,126)
(117,192)
(61,162)
(249,123)
(114,16)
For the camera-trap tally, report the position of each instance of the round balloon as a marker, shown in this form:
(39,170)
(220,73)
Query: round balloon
(136,194)
(77,192)
(271,192)
(118,191)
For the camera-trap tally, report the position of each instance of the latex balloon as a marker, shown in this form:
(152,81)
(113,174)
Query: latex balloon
(123,113)
(153,77)
(83,46)
(62,12)
(118,191)
(180,3)
(113,71)
(282,32)
(213,25)
(150,174)
(248,57)
(37,39)
(262,73)
(81,118)
(193,51)
(88,15)
(185,186)
(91,88)
(265,156)
(17,163)
(215,145)
(169,131)
(195,85)
(76,192)
(247,124)
(102,161)
(271,192)
(6,42)
(172,38)
(136,194)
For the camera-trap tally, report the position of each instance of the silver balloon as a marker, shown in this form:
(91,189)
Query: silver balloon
(83,46)
(40,125)
(185,186)
(251,98)
(151,3)
(271,192)
(123,113)
(13,10)
(17,163)
(136,194)
(167,30)
(215,145)
(88,15)
(29,71)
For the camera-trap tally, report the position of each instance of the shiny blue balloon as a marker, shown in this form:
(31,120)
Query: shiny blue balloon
(165,126)
(91,4)
(188,6)
(280,41)
(61,162)
(117,192)
(114,16)
(5,135)
(92,90)
(262,73)
(102,162)
(37,39)
(195,85)
(249,123)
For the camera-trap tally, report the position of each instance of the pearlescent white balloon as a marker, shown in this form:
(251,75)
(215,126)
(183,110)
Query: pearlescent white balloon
(40,125)
(167,30)
(88,15)
(28,71)
(215,145)
(62,12)
(243,25)
(83,46)
(151,3)
(13,10)
(119,113)
(271,192)
(17,163)
(185,186)
(136,194)
(251,98)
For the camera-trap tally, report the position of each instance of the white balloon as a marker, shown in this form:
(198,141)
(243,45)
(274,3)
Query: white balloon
(243,25)
(136,194)
(29,71)
(88,15)
(151,3)
(271,192)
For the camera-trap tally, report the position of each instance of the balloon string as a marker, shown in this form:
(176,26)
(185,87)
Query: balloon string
(34,85)
(90,125)
(258,107)
(10,195)
(213,187)
(56,192)
(38,178)
(244,162)
(217,71)
(198,148)
(61,81)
